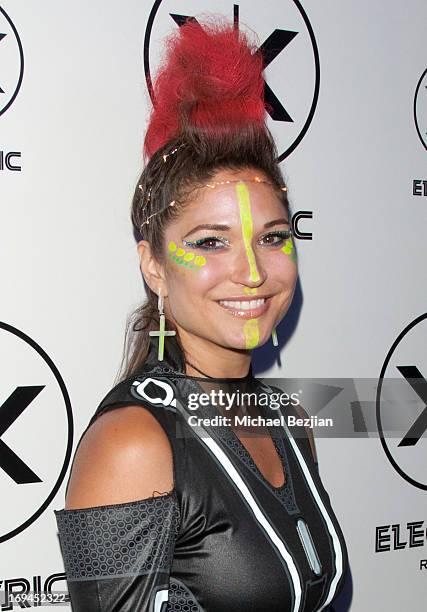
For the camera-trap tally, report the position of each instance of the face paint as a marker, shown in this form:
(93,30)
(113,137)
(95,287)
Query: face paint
(250,290)
(250,328)
(247,227)
(251,332)
(289,249)
(185,258)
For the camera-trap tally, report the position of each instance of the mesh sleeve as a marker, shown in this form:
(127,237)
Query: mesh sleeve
(118,557)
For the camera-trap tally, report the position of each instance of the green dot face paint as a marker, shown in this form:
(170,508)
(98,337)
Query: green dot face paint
(289,249)
(184,258)
(250,328)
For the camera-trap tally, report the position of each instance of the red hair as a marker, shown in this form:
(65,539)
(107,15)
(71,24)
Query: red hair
(211,79)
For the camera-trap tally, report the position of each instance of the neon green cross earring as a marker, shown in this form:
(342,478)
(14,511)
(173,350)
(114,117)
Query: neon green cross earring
(162,332)
(274,337)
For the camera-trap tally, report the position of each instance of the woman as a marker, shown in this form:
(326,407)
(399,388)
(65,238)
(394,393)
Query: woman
(166,507)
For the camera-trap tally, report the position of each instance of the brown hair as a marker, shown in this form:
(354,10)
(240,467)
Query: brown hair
(199,156)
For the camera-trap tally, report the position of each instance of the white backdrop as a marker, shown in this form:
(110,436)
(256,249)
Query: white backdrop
(69,270)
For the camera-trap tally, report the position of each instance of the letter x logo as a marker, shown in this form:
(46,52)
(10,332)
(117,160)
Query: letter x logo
(270,49)
(12,408)
(1,38)
(419,385)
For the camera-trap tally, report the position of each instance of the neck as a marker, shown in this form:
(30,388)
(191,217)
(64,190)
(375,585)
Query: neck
(216,361)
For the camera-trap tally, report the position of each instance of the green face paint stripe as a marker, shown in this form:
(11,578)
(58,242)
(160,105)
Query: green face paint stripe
(187,264)
(247,227)
(251,331)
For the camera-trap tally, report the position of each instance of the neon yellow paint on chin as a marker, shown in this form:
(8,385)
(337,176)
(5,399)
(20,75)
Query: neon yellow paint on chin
(251,332)
(247,227)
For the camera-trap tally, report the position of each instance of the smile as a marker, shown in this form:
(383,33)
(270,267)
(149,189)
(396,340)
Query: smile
(246,309)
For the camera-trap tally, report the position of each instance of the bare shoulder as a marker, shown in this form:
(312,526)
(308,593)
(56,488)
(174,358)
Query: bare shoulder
(125,455)
(304,415)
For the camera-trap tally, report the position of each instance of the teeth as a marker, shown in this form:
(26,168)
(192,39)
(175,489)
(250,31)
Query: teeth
(249,305)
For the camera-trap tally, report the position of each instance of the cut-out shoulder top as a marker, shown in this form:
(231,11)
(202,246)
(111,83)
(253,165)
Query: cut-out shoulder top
(224,539)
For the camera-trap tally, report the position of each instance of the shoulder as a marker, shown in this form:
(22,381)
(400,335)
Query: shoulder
(125,455)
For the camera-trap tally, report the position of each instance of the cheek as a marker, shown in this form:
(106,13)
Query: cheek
(185,259)
(289,249)
(188,268)
(281,265)
(282,274)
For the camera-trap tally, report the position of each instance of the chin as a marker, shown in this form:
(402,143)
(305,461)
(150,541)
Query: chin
(240,343)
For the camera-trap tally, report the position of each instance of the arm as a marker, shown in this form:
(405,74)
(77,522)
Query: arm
(118,528)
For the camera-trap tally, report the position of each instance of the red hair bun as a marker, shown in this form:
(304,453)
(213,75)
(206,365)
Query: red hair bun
(211,79)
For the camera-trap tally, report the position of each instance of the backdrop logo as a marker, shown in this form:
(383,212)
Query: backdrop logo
(420,108)
(298,232)
(11,62)
(36,431)
(405,410)
(287,43)
(10,160)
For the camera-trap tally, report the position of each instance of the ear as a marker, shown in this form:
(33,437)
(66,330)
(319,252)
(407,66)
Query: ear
(150,268)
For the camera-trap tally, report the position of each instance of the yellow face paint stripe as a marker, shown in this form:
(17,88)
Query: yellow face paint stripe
(251,331)
(250,328)
(247,227)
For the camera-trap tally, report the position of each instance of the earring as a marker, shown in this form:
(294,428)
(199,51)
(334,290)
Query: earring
(274,337)
(162,332)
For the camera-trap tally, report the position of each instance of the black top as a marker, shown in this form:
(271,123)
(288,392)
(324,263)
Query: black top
(224,539)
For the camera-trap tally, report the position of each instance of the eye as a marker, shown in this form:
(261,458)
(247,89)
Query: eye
(276,238)
(210,243)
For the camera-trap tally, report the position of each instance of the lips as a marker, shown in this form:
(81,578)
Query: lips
(246,308)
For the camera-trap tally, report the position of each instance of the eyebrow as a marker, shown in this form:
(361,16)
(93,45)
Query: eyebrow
(223,228)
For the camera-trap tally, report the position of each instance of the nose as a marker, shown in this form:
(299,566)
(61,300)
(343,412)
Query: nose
(246,267)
